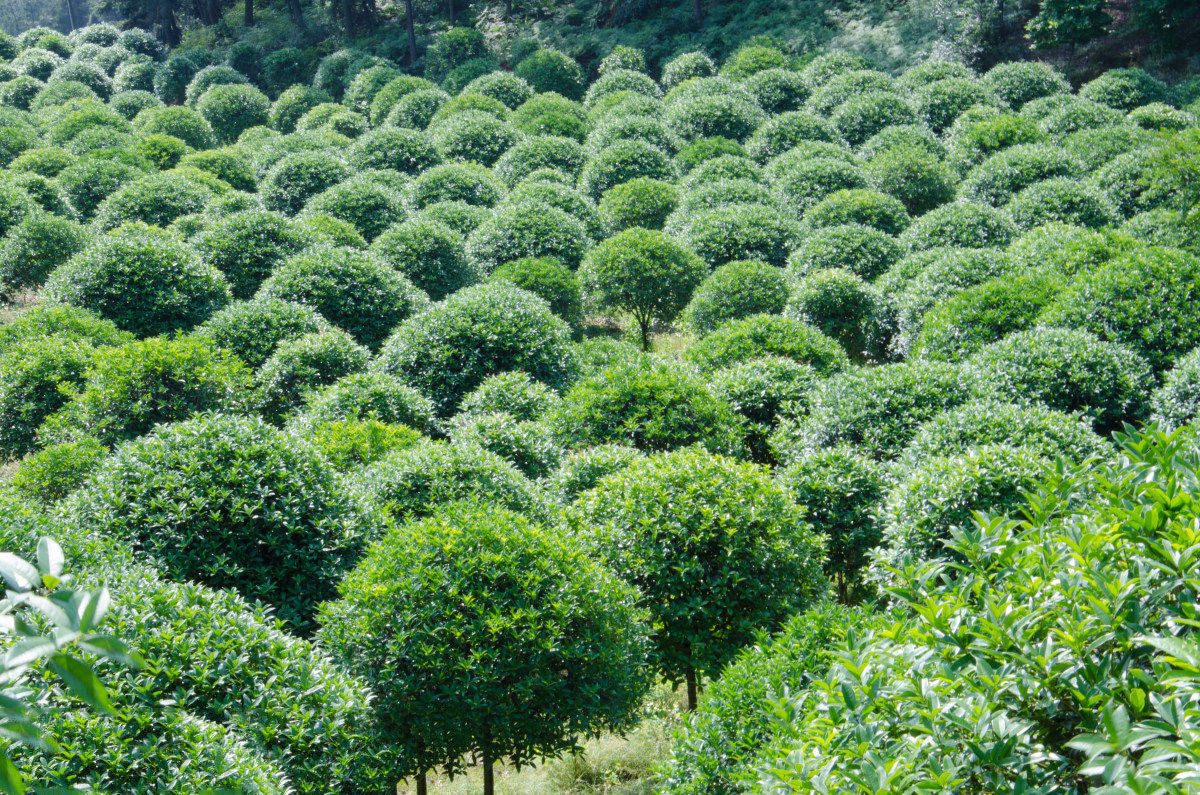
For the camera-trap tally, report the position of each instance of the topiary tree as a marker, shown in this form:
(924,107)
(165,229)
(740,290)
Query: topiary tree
(1112,302)
(37,375)
(190,493)
(741,231)
(644,273)
(939,103)
(35,247)
(1069,370)
(355,290)
(233,109)
(734,291)
(49,475)
(129,389)
(549,70)
(157,199)
(762,389)
(526,444)
(143,279)
(182,122)
(768,335)
(365,204)
(401,614)
(640,202)
(479,331)
(368,396)
(1177,402)
(429,253)
(513,393)
(652,406)
(840,304)
(246,247)
(841,491)
(1062,200)
(89,181)
(622,161)
(860,249)
(1019,82)
(716,550)
(299,366)
(452,48)
(870,208)
(550,280)
(518,230)
(466,182)
(913,175)
(1125,89)
(961,224)
(472,135)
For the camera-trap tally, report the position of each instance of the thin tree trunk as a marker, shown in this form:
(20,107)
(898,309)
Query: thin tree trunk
(71,14)
(644,328)
(698,12)
(297,13)
(412,32)
(421,785)
(249,18)
(690,675)
(450,11)
(489,775)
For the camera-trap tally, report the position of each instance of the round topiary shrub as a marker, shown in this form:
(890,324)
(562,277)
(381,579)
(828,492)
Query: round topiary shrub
(640,202)
(939,103)
(735,291)
(246,247)
(861,117)
(538,152)
(36,377)
(402,613)
(957,326)
(1018,82)
(863,206)
(1125,89)
(859,249)
(623,161)
(550,280)
(661,519)
(88,74)
(1063,200)
(715,116)
(1144,300)
(361,91)
(178,121)
(232,109)
(973,139)
(355,290)
(619,80)
(51,474)
(526,444)
(804,182)
(190,494)
(294,103)
(1067,370)
(253,329)
(417,108)
(155,199)
(129,389)
(517,231)
(144,280)
(35,247)
(48,162)
(843,87)
(370,396)
(15,206)
(767,335)
(943,494)
(299,366)
(744,231)
(209,77)
(405,151)
(840,304)
(472,135)
(581,470)
(44,319)
(686,66)
(1093,149)
(298,177)
(551,114)
(466,182)
(706,149)
(560,195)
(479,331)
(512,393)
(963,224)
(787,131)
(777,90)
(415,482)
(761,390)
(363,203)
(1009,171)
(1079,114)
(913,175)
(1177,402)
(429,253)
(1026,425)
(877,409)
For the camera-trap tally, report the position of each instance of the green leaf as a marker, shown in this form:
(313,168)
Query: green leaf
(82,681)
(28,650)
(50,557)
(19,574)
(11,782)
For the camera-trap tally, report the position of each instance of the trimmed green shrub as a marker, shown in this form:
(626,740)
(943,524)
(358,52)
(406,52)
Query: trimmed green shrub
(246,247)
(961,223)
(293,103)
(37,376)
(51,474)
(1064,200)
(652,406)
(1093,149)
(560,195)
(419,481)
(913,175)
(178,121)
(843,87)
(163,151)
(512,393)
(45,318)
(742,231)
(973,140)
(715,116)
(699,152)
(463,218)
(1177,402)
(735,291)
(402,613)
(1068,370)
(942,494)
(336,70)
(88,74)
(767,335)
(961,324)
(829,64)
(361,202)
(360,397)
(416,109)
(623,161)
(1144,300)
(661,521)
(939,103)
(155,199)
(686,66)
(641,202)
(472,135)
(1160,117)
(129,389)
(232,109)
(198,495)
(1125,89)
(349,446)
(298,177)
(355,290)
(644,273)
(1058,248)
(1025,425)
(861,117)
(618,80)
(48,162)
(299,366)
(787,131)
(859,249)
(551,114)
(144,280)
(386,97)
(550,280)
(804,182)
(467,182)
(1018,82)
(840,304)
(526,444)
(252,329)
(1080,114)
(878,410)
(777,90)
(172,77)
(761,390)
(452,48)
(581,470)
(35,247)
(246,57)
(449,349)
(520,230)
(1009,171)
(536,152)
(429,253)
(227,165)
(210,77)
(361,91)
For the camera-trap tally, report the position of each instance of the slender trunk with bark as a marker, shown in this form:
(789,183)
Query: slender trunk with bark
(421,785)
(690,675)
(489,775)
(297,13)
(71,14)
(248,19)
(450,12)
(412,32)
